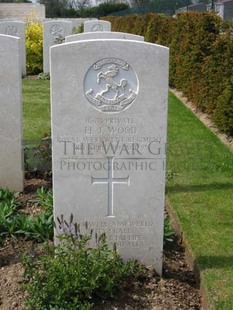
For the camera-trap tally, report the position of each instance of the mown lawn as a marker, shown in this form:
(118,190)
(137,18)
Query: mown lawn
(201,193)
(36,109)
(200,186)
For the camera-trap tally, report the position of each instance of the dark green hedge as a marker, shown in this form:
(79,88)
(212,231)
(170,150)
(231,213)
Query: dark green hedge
(201,57)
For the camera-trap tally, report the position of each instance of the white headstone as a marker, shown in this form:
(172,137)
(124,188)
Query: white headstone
(109,124)
(11,154)
(54,32)
(97,25)
(103,35)
(16,29)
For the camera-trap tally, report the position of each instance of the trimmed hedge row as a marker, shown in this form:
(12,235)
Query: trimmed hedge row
(201,57)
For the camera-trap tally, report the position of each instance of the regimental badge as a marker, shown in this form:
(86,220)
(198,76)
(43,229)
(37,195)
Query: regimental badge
(111,85)
(97,27)
(12,31)
(56,30)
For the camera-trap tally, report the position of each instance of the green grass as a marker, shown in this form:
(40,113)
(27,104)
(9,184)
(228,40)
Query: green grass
(200,187)
(36,109)
(201,193)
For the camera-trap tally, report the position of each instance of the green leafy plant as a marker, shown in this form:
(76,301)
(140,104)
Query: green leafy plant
(38,157)
(39,228)
(43,76)
(73,275)
(34,45)
(45,199)
(168,231)
(78,29)
(7,195)
(14,223)
(8,209)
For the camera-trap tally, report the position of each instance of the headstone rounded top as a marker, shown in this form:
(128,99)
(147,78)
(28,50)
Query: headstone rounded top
(103,35)
(97,26)
(111,85)
(9,38)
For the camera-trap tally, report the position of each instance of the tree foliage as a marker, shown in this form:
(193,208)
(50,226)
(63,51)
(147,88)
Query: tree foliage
(103,9)
(80,8)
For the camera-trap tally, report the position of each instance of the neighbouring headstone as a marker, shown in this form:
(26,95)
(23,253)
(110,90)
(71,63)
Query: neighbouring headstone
(97,25)
(54,32)
(16,29)
(11,155)
(103,35)
(109,125)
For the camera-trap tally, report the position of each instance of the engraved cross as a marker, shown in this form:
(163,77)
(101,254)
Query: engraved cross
(110,181)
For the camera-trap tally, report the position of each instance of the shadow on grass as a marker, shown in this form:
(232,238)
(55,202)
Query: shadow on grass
(199,188)
(216,262)
(202,263)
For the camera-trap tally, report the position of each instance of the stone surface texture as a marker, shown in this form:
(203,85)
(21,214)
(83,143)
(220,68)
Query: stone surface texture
(54,32)
(20,11)
(109,125)
(11,154)
(97,26)
(103,35)
(16,29)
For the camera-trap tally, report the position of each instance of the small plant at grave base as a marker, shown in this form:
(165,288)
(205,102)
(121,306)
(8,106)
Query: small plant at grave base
(74,275)
(39,158)
(45,199)
(14,223)
(168,231)
(43,76)
(45,149)
(41,227)
(7,195)
(8,207)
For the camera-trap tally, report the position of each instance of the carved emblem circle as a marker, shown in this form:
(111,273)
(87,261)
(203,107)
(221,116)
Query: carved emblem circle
(11,31)
(97,27)
(56,30)
(111,85)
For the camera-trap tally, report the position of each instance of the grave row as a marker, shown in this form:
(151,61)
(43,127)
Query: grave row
(109,125)
(54,32)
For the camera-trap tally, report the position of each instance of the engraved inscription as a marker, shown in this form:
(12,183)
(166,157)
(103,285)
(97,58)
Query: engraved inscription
(56,30)
(110,181)
(11,31)
(111,85)
(124,234)
(97,27)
